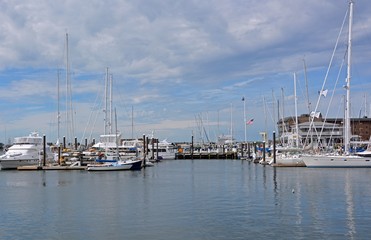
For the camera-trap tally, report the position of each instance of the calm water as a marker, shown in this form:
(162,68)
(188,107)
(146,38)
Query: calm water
(183,199)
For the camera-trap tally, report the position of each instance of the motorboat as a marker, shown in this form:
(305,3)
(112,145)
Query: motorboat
(162,150)
(25,151)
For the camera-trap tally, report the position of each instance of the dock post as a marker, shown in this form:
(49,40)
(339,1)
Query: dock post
(86,143)
(274,147)
(248,151)
(144,151)
(263,151)
(242,148)
(64,142)
(59,154)
(44,150)
(192,148)
(75,143)
(157,149)
(255,148)
(153,148)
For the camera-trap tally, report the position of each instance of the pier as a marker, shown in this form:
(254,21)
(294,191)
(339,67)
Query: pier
(206,155)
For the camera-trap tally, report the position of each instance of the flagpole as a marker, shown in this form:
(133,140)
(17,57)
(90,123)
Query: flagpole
(244,116)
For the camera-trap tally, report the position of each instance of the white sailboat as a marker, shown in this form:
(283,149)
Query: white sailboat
(344,160)
(290,156)
(115,163)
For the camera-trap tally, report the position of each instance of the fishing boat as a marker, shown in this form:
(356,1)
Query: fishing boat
(25,151)
(345,160)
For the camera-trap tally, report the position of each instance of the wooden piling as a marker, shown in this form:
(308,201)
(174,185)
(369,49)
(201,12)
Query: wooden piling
(144,151)
(274,147)
(44,150)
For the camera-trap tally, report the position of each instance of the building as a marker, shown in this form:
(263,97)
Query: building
(324,131)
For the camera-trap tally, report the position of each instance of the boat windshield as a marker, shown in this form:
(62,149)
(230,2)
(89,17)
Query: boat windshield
(27,140)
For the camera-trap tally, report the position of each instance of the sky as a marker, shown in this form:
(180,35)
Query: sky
(179,68)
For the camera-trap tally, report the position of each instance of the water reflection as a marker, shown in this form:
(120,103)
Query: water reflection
(219,199)
(349,206)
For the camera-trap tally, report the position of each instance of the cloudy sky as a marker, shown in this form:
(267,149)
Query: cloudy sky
(179,67)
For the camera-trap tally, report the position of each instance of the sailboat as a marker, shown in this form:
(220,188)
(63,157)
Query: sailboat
(290,156)
(112,160)
(344,160)
(116,163)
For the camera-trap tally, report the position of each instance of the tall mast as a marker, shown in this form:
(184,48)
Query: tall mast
(58,114)
(110,102)
(67,83)
(347,88)
(244,116)
(132,122)
(231,123)
(306,86)
(106,102)
(296,113)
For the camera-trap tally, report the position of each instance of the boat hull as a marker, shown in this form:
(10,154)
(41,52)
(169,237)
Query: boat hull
(337,161)
(120,166)
(288,162)
(9,164)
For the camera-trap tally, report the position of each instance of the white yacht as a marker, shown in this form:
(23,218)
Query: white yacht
(164,151)
(131,148)
(26,150)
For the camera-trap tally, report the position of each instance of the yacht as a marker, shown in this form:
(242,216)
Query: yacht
(164,150)
(25,151)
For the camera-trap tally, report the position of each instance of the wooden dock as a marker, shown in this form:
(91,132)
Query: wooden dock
(228,155)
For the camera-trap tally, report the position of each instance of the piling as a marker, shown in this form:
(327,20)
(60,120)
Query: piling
(248,151)
(144,151)
(242,149)
(157,149)
(274,147)
(153,148)
(44,149)
(192,148)
(59,154)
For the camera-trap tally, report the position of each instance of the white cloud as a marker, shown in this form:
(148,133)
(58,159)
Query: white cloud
(182,56)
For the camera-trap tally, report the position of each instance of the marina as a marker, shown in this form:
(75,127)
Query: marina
(183,136)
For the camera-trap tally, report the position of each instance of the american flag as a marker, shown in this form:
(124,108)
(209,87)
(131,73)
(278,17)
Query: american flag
(251,121)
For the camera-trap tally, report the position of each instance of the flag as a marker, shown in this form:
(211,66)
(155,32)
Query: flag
(323,92)
(251,121)
(315,114)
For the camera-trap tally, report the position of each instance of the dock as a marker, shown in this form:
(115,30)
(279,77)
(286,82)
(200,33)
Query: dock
(206,155)
(54,168)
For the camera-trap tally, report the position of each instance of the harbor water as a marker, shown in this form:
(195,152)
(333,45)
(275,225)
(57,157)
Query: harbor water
(187,199)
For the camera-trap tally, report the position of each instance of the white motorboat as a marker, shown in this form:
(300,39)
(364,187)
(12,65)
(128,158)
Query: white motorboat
(25,151)
(164,150)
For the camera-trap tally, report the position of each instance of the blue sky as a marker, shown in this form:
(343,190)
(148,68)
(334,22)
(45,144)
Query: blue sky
(182,66)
